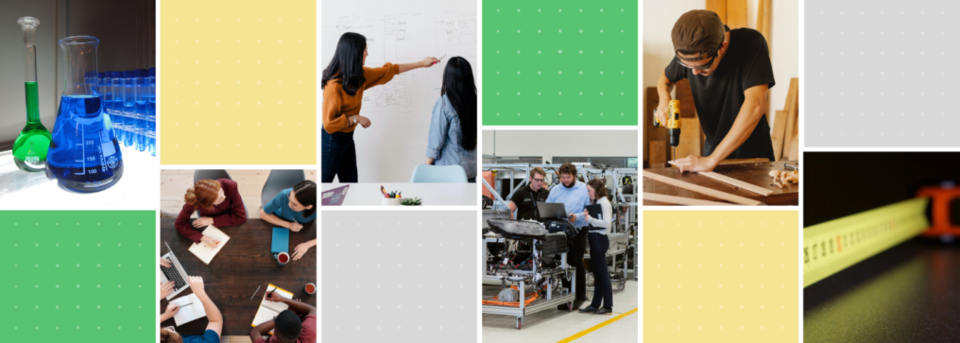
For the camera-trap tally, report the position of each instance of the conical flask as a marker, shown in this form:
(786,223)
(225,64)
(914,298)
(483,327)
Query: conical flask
(30,148)
(84,155)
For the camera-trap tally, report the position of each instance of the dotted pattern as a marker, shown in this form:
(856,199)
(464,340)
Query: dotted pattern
(877,76)
(399,275)
(560,63)
(238,83)
(79,276)
(711,276)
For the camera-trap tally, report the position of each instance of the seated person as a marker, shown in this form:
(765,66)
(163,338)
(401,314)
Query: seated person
(292,208)
(218,203)
(287,327)
(214,318)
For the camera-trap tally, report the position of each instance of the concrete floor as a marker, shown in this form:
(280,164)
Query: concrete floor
(553,325)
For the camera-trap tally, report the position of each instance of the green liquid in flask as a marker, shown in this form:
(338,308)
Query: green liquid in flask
(30,148)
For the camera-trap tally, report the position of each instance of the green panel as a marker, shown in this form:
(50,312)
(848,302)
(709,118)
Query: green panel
(524,71)
(79,276)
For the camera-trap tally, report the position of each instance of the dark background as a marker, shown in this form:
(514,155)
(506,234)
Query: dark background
(908,293)
(840,184)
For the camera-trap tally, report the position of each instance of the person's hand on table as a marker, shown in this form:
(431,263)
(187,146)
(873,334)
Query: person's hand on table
(166,289)
(166,262)
(202,221)
(274,297)
(171,311)
(209,241)
(196,284)
(695,164)
(572,217)
(295,227)
(302,249)
(429,61)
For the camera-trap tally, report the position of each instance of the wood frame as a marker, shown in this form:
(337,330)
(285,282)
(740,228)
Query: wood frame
(738,183)
(670,199)
(701,189)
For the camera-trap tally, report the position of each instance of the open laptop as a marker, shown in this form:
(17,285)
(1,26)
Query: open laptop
(174,273)
(554,210)
(334,197)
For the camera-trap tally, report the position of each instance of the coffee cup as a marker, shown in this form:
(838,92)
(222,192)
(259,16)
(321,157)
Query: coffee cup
(282,258)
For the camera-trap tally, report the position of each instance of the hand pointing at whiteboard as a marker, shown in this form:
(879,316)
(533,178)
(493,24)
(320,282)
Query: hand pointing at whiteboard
(425,63)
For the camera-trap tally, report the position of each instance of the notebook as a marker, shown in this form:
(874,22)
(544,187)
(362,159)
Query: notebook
(205,253)
(269,309)
(595,211)
(190,309)
(281,240)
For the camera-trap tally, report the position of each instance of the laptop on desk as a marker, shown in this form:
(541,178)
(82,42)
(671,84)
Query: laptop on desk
(175,273)
(334,197)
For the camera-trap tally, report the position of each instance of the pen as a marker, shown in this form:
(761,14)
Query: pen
(255,292)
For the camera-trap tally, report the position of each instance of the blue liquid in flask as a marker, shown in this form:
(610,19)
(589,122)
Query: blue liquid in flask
(84,155)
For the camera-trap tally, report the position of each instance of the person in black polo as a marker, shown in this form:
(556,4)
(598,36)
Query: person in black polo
(525,199)
(730,74)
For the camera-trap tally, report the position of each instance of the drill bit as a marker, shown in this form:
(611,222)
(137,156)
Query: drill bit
(673,151)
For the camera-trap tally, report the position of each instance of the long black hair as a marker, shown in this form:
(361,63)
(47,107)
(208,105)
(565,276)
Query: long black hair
(459,87)
(347,63)
(306,194)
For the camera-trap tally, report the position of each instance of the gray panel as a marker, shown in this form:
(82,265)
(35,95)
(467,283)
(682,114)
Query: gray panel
(407,276)
(878,73)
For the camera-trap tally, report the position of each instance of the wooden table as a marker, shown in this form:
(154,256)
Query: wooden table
(242,265)
(754,173)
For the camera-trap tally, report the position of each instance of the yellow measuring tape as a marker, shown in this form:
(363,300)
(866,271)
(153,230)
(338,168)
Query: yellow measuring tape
(832,246)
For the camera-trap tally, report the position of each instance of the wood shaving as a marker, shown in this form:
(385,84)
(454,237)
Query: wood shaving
(783,179)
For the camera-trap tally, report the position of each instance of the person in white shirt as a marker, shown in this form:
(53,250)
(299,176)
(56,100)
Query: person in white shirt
(599,244)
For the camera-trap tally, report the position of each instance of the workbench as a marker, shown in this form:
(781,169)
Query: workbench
(244,263)
(753,173)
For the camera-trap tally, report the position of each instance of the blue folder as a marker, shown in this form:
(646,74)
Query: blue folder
(281,240)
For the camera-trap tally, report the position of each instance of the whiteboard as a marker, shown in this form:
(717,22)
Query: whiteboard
(400,111)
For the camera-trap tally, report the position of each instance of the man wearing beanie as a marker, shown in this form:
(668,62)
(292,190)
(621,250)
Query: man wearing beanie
(729,73)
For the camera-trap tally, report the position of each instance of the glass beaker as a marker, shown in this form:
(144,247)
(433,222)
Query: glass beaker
(30,148)
(84,155)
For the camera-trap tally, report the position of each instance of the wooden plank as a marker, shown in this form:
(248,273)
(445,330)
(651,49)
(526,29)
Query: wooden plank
(779,131)
(791,108)
(736,14)
(737,183)
(719,7)
(736,161)
(689,138)
(763,22)
(700,189)
(794,149)
(658,153)
(670,199)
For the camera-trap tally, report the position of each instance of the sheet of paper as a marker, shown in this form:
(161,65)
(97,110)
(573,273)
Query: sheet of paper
(205,253)
(270,309)
(190,309)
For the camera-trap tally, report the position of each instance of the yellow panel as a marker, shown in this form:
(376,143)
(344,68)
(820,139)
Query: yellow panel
(238,82)
(712,276)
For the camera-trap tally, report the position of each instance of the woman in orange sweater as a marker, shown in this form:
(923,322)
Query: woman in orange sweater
(343,83)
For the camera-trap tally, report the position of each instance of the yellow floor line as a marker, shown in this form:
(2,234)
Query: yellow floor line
(598,326)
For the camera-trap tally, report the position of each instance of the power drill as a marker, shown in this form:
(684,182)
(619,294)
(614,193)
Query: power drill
(673,126)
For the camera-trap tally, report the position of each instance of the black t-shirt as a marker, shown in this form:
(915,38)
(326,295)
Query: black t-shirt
(718,97)
(526,201)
